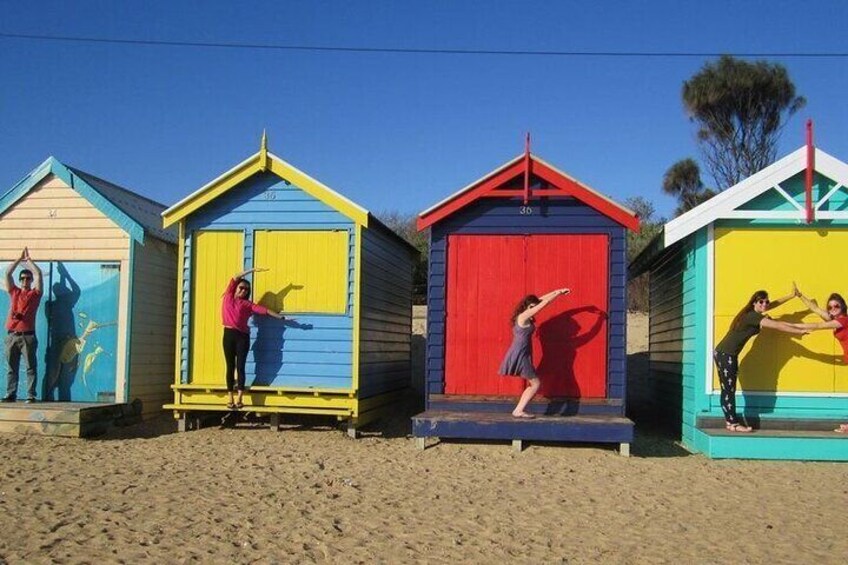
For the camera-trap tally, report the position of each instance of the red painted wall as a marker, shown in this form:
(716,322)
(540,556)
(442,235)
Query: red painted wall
(487,275)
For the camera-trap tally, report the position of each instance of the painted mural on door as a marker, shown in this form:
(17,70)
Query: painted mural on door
(77,331)
(489,274)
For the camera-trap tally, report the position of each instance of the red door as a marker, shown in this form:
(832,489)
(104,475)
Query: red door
(488,275)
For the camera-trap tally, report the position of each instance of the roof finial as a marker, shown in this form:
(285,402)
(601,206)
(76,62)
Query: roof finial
(263,151)
(527,169)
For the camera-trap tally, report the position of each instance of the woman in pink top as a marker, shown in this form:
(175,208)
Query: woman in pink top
(236,309)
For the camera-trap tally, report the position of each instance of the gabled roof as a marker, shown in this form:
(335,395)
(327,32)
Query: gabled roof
(558,183)
(261,162)
(728,204)
(135,214)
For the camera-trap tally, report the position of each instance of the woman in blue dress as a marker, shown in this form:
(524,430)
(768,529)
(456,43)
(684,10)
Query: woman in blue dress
(518,360)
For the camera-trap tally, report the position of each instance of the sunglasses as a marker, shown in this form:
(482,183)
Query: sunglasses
(763,301)
(834,307)
(242,288)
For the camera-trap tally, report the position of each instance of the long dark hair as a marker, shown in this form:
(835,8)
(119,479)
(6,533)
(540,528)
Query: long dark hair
(526,302)
(836,297)
(749,307)
(249,287)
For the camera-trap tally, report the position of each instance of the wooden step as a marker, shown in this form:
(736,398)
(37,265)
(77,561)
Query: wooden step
(539,406)
(66,419)
(503,426)
(710,423)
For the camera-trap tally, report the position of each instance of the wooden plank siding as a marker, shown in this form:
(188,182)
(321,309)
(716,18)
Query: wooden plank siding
(385,315)
(676,354)
(56,223)
(316,349)
(152,337)
(501,216)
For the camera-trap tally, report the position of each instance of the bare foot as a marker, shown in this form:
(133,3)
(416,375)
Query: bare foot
(740,428)
(842,429)
(524,415)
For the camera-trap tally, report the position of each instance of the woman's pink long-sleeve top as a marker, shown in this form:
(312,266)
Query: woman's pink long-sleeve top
(235,312)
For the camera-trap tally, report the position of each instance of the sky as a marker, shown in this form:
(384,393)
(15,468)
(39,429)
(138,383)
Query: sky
(391,131)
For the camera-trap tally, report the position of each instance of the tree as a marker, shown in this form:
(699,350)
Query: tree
(683,181)
(404,225)
(741,109)
(649,227)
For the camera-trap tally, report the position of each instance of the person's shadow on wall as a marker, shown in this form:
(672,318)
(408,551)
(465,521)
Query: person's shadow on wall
(772,349)
(270,337)
(560,339)
(62,352)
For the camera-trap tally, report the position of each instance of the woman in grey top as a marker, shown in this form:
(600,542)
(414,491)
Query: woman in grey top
(518,360)
(744,326)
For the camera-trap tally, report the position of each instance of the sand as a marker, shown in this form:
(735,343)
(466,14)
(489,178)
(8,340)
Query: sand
(311,494)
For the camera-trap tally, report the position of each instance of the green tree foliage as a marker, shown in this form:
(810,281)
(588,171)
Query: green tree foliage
(405,226)
(650,227)
(740,109)
(683,181)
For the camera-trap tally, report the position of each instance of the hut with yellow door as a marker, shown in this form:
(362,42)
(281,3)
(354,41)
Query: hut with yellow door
(342,279)
(788,222)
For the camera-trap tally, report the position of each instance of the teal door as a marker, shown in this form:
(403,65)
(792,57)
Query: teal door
(77,331)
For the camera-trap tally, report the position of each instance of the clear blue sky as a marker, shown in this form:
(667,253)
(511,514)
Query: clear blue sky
(390,131)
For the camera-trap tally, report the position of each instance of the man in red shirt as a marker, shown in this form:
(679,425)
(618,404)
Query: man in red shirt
(20,325)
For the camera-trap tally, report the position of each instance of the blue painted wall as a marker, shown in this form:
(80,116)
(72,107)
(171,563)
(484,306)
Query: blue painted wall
(309,350)
(385,313)
(501,216)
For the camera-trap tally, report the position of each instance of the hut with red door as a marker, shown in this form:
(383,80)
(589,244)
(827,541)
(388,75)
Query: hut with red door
(526,228)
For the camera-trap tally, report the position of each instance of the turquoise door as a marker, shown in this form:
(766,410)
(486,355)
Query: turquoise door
(82,332)
(77,332)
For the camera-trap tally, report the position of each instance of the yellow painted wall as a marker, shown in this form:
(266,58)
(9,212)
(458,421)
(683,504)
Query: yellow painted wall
(56,222)
(309,270)
(217,256)
(750,259)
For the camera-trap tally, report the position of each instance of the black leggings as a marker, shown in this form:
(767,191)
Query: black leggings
(236,346)
(728,369)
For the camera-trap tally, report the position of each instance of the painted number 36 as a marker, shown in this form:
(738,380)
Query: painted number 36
(525,210)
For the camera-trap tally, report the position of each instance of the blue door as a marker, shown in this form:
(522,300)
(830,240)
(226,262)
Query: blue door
(77,332)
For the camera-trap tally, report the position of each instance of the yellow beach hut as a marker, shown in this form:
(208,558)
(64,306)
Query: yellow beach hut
(341,277)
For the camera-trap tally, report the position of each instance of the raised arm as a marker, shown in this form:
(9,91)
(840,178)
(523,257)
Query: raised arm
(782,326)
(36,283)
(544,300)
(247,272)
(10,270)
(783,299)
(829,325)
(811,305)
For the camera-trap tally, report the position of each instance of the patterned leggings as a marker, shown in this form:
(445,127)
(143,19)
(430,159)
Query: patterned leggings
(728,369)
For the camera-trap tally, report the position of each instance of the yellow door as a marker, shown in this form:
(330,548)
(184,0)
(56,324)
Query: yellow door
(308,270)
(217,257)
(747,260)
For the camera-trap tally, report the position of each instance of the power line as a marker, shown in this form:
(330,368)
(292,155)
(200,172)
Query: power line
(412,51)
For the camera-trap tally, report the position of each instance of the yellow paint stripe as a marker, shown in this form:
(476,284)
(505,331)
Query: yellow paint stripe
(213,191)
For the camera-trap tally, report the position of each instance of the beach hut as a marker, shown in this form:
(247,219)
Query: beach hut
(526,227)
(788,222)
(341,277)
(104,326)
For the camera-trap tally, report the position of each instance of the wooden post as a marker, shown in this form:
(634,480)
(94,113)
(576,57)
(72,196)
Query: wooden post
(351,429)
(517,445)
(624,449)
(274,422)
(421,443)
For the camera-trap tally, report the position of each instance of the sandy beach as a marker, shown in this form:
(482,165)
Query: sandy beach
(311,494)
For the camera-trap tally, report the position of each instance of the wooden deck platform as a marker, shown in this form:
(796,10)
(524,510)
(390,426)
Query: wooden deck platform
(810,439)
(539,405)
(502,426)
(66,419)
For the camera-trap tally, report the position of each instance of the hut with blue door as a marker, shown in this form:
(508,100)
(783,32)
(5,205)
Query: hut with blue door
(104,325)
(526,228)
(785,223)
(342,279)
